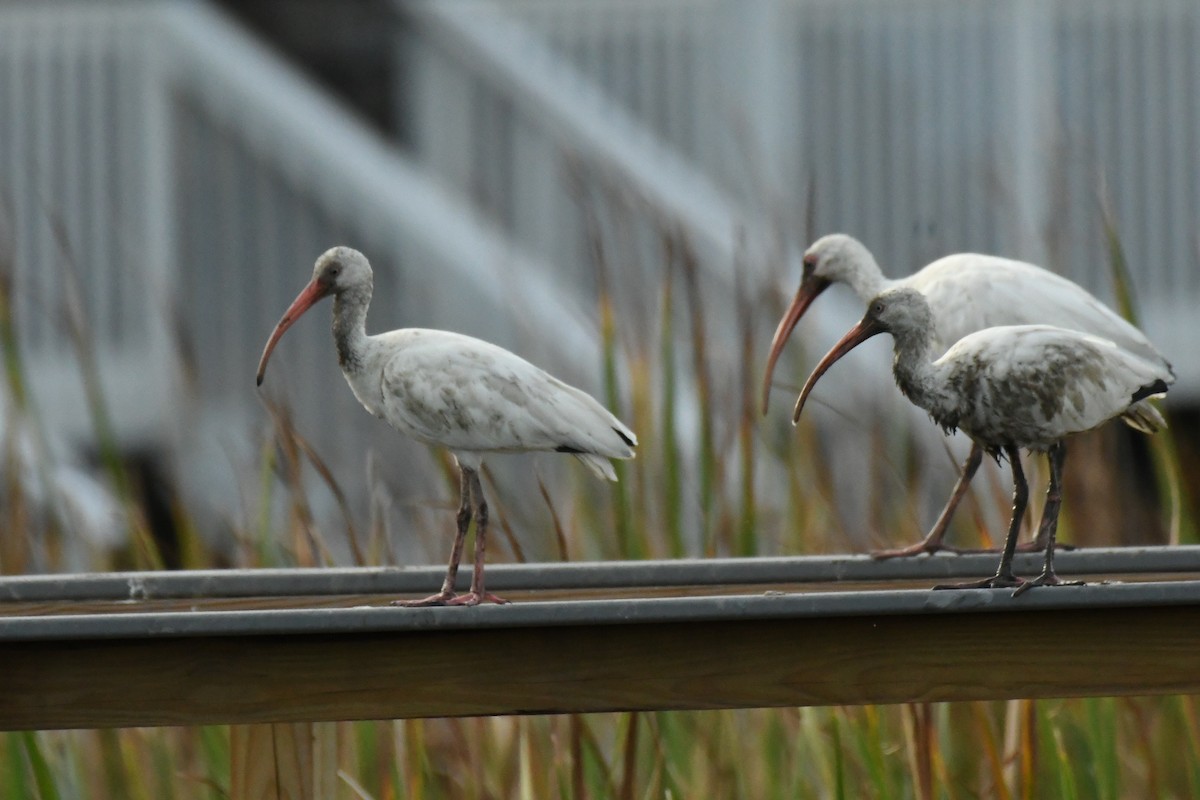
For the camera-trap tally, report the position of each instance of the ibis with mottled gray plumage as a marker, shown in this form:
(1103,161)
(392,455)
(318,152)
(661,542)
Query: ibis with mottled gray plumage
(461,393)
(1009,387)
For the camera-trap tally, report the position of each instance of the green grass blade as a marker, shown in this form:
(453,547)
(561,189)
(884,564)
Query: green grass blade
(672,484)
(1062,767)
(1167,466)
(1102,727)
(1190,720)
(839,762)
(747,534)
(708,463)
(43,777)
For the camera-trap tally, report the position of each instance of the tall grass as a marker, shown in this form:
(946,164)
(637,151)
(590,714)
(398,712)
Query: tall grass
(1163,447)
(721,481)
(146,552)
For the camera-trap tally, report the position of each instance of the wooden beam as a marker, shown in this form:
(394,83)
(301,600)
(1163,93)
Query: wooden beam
(553,657)
(283,761)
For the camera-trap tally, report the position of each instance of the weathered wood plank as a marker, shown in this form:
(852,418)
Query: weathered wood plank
(283,761)
(736,661)
(251,647)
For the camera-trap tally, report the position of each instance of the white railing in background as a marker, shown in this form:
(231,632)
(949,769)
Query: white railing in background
(81,190)
(712,79)
(278,147)
(505,121)
(197,177)
(533,142)
(923,126)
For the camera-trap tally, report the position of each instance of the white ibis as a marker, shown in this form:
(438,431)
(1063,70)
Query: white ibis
(1011,387)
(464,394)
(966,292)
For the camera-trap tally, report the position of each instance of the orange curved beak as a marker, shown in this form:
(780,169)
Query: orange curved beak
(810,289)
(853,338)
(307,298)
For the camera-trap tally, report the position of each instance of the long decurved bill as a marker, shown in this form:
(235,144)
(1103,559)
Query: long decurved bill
(856,336)
(810,288)
(303,302)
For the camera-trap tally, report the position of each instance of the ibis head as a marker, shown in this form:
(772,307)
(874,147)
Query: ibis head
(338,270)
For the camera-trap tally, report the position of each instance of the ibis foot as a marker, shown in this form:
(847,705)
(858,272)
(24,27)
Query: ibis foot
(923,546)
(439,599)
(451,599)
(1045,579)
(475,598)
(1022,547)
(994,582)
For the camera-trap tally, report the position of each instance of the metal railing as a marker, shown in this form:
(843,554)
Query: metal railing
(72,646)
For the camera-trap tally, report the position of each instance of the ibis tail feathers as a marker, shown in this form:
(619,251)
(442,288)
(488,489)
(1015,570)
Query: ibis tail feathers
(1144,417)
(598,464)
(596,458)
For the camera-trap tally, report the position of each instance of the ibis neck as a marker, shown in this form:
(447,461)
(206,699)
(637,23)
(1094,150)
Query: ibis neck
(868,280)
(918,377)
(350,327)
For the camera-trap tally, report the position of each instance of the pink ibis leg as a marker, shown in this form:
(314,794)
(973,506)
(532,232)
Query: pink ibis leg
(1004,577)
(1056,456)
(477,594)
(932,542)
(460,536)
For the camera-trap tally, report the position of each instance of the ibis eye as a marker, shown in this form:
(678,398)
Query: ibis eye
(877,309)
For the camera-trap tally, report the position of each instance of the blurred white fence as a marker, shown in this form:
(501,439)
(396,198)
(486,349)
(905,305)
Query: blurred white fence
(507,123)
(82,201)
(188,177)
(922,126)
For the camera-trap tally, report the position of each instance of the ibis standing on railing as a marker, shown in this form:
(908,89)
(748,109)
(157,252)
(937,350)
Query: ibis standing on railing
(1011,387)
(464,394)
(966,292)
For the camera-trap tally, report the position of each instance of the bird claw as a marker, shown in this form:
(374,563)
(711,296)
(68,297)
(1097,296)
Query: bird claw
(1022,547)
(475,598)
(1045,579)
(994,582)
(915,550)
(451,599)
(439,599)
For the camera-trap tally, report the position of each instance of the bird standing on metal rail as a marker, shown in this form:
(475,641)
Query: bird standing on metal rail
(461,393)
(966,292)
(1011,387)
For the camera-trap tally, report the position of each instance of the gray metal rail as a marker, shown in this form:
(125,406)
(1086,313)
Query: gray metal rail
(249,646)
(118,586)
(770,605)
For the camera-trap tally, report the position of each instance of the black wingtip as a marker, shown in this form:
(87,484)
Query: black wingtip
(625,438)
(1158,387)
